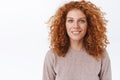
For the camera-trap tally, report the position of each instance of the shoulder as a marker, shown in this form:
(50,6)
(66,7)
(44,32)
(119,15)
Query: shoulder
(105,58)
(105,55)
(105,73)
(50,55)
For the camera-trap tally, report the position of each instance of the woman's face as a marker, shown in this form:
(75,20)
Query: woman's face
(76,25)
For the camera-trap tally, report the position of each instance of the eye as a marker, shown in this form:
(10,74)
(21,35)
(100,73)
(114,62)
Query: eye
(82,21)
(70,21)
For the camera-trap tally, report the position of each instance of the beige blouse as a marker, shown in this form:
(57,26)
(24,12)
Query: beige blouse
(76,65)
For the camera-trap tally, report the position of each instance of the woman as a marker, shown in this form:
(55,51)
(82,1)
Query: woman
(78,44)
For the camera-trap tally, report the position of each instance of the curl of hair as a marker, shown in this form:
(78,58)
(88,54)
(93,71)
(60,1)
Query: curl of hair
(95,40)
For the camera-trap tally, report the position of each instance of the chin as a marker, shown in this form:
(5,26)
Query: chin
(76,39)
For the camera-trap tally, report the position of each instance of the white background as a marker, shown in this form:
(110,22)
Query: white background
(24,36)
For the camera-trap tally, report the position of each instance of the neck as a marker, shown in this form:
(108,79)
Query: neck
(76,45)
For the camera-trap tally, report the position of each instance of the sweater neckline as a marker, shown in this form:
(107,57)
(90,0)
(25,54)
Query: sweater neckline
(76,51)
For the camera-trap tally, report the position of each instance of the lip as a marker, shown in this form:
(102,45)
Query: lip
(75,32)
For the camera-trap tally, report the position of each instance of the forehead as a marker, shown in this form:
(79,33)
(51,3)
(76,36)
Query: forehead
(75,13)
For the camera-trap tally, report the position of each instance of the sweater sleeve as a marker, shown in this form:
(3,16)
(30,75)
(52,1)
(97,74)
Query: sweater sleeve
(48,68)
(105,73)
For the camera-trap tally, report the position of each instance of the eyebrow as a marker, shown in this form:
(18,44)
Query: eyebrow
(78,18)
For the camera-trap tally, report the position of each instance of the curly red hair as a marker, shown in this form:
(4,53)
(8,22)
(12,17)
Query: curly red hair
(95,40)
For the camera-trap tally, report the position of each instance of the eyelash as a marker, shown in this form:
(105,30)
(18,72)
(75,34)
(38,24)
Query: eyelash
(70,21)
(82,21)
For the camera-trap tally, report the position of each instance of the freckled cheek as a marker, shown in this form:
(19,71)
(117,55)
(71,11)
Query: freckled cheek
(85,30)
(68,29)
(68,26)
(84,27)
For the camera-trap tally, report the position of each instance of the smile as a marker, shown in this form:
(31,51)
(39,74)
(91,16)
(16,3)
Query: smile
(76,32)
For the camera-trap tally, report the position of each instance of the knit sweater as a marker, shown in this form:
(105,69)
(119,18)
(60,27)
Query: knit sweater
(76,65)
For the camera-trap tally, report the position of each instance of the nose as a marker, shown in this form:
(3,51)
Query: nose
(76,25)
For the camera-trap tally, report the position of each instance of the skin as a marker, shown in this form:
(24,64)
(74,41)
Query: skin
(76,26)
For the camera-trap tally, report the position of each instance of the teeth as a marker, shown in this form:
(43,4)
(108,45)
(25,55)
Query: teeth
(76,32)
